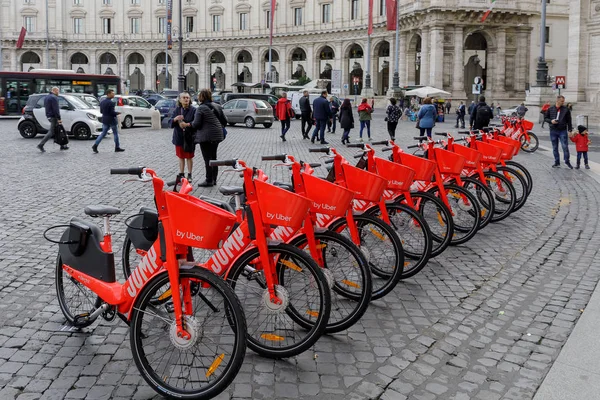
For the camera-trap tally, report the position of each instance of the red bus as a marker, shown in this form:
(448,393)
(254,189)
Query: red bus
(15,87)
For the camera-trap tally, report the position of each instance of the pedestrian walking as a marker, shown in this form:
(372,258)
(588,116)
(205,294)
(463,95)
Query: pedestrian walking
(322,114)
(522,110)
(498,110)
(306,114)
(582,142)
(448,106)
(471,108)
(183,134)
(109,121)
(346,118)
(393,113)
(53,114)
(284,111)
(543,111)
(334,111)
(209,123)
(482,115)
(559,118)
(460,115)
(426,117)
(364,116)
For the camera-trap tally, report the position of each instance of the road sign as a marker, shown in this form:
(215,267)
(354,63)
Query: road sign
(478,80)
(476,89)
(561,82)
(346,86)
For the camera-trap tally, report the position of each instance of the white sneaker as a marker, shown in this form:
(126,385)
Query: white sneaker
(370,139)
(360,140)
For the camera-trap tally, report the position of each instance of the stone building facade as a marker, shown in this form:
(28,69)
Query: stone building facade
(442,43)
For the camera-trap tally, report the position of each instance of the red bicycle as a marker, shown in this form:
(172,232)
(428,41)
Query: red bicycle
(188,342)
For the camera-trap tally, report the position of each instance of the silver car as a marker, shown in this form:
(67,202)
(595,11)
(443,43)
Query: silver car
(249,112)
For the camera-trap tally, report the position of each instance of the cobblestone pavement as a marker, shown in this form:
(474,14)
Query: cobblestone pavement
(485,320)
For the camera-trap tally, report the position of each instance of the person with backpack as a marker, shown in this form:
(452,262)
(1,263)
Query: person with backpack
(482,115)
(559,118)
(522,110)
(460,115)
(109,121)
(346,120)
(209,123)
(394,113)
(426,117)
(53,114)
(284,111)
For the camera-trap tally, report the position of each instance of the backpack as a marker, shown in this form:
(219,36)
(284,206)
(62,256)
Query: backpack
(60,136)
(483,115)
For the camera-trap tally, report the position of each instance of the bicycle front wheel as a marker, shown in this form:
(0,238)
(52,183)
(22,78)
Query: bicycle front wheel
(518,182)
(504,194)
(347,271)
(524,172)
(531,145)
(465,212)
(439,220)
(290,328)
(204,365)
(485,198)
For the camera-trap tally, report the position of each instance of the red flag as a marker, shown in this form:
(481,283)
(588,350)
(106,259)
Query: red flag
(370,31)
(21,37)
(391,11)
(272,19)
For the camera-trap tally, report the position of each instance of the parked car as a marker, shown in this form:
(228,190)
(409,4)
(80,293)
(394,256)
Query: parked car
(154,98)
(170,93)
(90,99)
(147,92)
(133,109)
(295,97)
(249,112)
(269,98)
(509,112)
(166,107)
(78,118)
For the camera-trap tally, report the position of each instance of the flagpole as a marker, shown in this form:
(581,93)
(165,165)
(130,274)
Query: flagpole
(370,23)
(269,78)
(396,78)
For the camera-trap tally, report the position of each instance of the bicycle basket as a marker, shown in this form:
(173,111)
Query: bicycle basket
(365,185)
(280,207)
(399,177)
(489,154)
(449,163)
(472,157)
(197,223)
(142,228)
(527,125)
(423,167)
(515,143)
(326,197)
(507,149)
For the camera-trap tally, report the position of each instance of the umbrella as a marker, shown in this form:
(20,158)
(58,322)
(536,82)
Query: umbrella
(427,91)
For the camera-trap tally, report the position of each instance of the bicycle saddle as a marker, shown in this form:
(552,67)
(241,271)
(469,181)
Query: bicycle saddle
(221,204)
(231,190)
(101,211)
(283,185)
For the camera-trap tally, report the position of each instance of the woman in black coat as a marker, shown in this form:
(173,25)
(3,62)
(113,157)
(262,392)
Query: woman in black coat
(209,123)
(346,118)
(183,133)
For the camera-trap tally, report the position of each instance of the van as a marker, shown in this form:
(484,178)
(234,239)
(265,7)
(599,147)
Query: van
(269,98)
(294,98)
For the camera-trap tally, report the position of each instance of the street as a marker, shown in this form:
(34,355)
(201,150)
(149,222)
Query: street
(484,320)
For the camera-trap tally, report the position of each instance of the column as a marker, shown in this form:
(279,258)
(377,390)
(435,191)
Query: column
(577,52)
(310,62)
(60,58)
(13,60)
(204,70)
(436,61)
(500,64)
(424,57)
(521,72)
(458,74)
(257,71)
(402,66)
(231,69)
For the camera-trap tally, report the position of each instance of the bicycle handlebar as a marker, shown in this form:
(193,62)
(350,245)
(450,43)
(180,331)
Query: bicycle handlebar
(358,155)
(278,157)
(127,171)
(314,165)
(420,138)
(381,142)
(356,145)
(464,132)
(319,150)
(222,163)
(441,133)
(329,161)
(413,146)
(387,149)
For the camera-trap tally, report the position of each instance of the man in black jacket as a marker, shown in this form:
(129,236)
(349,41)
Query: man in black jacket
(481,115)
(559,118)
(306,113)
(322,113)
(109,121)
(53,114)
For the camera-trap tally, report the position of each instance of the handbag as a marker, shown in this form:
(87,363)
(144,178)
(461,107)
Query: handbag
(188,141)
(60,136)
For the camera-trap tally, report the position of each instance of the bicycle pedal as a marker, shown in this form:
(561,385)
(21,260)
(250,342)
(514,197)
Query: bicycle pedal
(81,319)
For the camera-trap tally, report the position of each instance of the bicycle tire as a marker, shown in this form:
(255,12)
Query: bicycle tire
(384,280)
(73,307)
(126,256)
(524,172)
(347,305)
(312,328)
(439,221)
(485,197)
(216,342)
(465,227)
(504,194)
(519,183)
(533,144)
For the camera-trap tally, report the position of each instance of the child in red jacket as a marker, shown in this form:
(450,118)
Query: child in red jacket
(581,140)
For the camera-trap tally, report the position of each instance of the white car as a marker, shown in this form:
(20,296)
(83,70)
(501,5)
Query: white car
(133,109)
(509,112)
(78,118)
(294,98)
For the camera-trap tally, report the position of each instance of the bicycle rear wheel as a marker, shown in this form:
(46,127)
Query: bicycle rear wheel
(518,182)
(381,247)
(439,220)
(349,277)
(524,172)
(533,143)
(290,328)
(504,194)
(204,365)
(485,198)
(76,301)
(465,210)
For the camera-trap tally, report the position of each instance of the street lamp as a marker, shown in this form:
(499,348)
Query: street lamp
(542,66)
(181,77)
(119,40)
(396,78)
